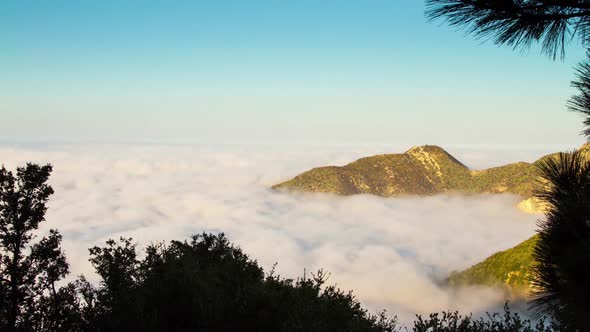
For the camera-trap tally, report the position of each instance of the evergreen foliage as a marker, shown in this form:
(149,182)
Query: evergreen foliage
(518,23)
(581,103)
(563,252)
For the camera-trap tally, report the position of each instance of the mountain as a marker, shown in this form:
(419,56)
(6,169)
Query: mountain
(510,268)
(428,170)
(422,170)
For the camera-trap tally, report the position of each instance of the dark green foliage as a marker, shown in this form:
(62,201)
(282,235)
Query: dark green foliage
(581,102)
(117,265)
(206,284)
(454,322)
(29,297)
(560,276)
(518,23)
(53,308)
(59,311)
(306,305)
(562,253)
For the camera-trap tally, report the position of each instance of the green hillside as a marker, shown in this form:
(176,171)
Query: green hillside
(510,267)
(422,170)
(427,170)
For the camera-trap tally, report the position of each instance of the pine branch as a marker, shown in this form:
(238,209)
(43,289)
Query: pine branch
(517,23)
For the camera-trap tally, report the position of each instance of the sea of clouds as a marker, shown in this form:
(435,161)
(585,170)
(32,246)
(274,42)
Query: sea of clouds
(393,252)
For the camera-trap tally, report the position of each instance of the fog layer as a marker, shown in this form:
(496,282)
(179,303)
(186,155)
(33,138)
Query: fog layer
(393,252)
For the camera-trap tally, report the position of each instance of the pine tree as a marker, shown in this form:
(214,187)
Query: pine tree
(563,250)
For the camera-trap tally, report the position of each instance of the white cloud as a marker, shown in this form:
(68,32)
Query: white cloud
(391,252)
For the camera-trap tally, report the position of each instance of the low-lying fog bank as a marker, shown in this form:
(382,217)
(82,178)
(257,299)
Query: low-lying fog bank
(391,252)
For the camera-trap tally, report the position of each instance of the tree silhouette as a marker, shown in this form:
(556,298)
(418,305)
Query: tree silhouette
(22,208)
(29,297)
(560,277)
(581,102)
(207,284)
(117,265)
(563,250)
(518,23)
(453,322)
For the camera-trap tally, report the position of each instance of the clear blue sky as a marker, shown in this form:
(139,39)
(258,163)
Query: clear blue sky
(297,71)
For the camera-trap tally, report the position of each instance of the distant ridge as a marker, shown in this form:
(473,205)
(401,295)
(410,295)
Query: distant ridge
(428,170)
(422,170)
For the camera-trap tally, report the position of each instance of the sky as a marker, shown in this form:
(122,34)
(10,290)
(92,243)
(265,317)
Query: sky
(168,118)
(270,71)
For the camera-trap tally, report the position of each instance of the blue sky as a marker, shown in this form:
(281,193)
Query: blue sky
(270,71)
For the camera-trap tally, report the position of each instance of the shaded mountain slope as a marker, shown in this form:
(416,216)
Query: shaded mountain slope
(511,268)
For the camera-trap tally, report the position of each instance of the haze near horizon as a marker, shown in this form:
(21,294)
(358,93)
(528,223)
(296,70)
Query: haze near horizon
(335,72)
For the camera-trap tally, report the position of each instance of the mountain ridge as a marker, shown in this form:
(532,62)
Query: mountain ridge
(421,170)
(427,170)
